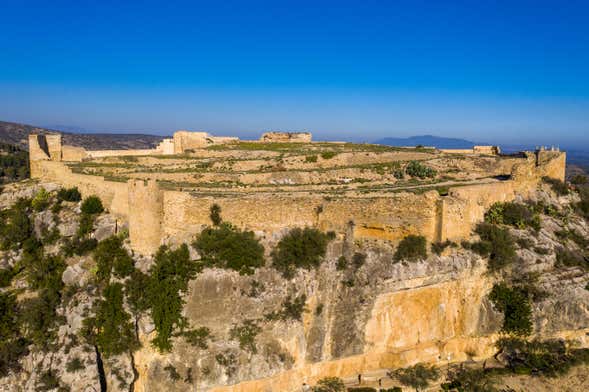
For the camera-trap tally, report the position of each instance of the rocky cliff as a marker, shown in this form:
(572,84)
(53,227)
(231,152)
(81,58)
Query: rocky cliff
(363,309)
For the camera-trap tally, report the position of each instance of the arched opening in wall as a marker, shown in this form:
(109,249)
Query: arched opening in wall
(503,177)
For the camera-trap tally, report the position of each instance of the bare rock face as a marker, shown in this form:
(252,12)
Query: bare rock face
(375,315)
(104,227)
(44,222)
(69,223)
(75,275)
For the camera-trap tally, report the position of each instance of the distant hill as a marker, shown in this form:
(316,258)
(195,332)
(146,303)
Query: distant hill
(17,135)
(426,141)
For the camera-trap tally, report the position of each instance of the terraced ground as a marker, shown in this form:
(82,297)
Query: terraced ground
(353,170)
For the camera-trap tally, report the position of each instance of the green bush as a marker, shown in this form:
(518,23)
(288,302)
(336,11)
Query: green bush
(86,224)
(79,246)
(439,247)
(328,154)
(39,318)
(311,158)
(135,292)
(69,194)
(341,263)
(292,309)
(73,365)
(497,243)
(513,214)
(111,329)
(418,376)
(198,337)
(92,205)
(300,248)
(172,373)
(465,379)
(411,248)
(582,207)
(417,169)
(110,256)
(358,260)
(12,345)
(41,200)
(14,163)
(215,214)
(169,278)
(559,187)
(226,246)
(570,258)
(38,315)
(49,381)
(513,302)
(15,225)
(246,334)
(229,361)
(330,384)
(550,358)
(6,275)
(524,243)
(579,179)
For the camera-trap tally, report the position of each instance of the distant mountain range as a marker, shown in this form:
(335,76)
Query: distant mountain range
(17,134)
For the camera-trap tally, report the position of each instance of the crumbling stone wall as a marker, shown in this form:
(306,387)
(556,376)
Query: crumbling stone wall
(185,140)
(157,216)
(285,137)
(482,150)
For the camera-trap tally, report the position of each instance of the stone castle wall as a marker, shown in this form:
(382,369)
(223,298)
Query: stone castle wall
(185,140)
(481,150)
(156,216)
(145,215)
(286,137)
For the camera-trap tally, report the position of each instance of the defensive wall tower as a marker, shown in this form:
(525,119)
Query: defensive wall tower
(43,148)
(158,215)
(145,215)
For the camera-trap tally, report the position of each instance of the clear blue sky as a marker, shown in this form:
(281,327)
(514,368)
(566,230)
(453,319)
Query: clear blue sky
(504,71)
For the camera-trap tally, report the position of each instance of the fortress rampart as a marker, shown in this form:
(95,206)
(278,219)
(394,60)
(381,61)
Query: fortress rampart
(157,215)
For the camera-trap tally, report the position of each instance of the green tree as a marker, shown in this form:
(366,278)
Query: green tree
(16,226)
(411,248)
(496,243)
(69,194)
(226,246)
(246,334)
(41,200)
(418,376)
(300,248)
(12,345)
(110,255)
(216,214)
(111,329)
(417,169)
(514,303)
(330,384)
(169,278)
(92,205)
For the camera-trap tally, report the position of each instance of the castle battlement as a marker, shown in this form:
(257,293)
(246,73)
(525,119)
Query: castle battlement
(165,193)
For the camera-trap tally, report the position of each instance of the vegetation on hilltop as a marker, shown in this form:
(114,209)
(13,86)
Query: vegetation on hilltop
(14,163)
(411,248)
(300,248)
